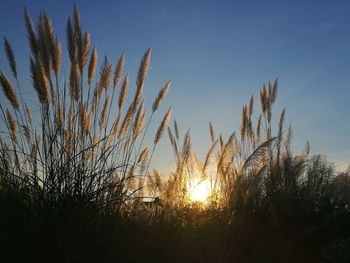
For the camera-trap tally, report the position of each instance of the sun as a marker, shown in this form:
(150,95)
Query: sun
(200,191)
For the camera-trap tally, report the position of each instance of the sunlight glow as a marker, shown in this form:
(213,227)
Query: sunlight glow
(200,191)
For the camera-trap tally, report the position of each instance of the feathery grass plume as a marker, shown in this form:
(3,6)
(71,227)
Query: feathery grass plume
(250,131)
(59,115)
(71,42)
(85,120)
(251,107)
(12,125)
(92,65)
(33,151)
(307,148)
(162,126)
(143,155)
(9,90)
(105,77)
(93,103)
(26,132)
(28,112)
(123,92)
(187,147)
(57,54)
(84,52)
(281,123)
(258,129)
(50,43)
(127,120)
(269,89)
(142,73)
(221,140)
(104,112)
(176,129)
(211,132)
(116,122)
(274,91)
(53,95)
(171,137)
(118,73)
(31,34)
(244,122)
(40,81)
(74,82)
(258,154)
(138,124)
(225,156)
(263,99)
(161,96)
(208,156)
(10,57)
(78,32)
(44,39)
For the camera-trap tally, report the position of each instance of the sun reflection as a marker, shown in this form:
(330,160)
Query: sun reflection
(200,191)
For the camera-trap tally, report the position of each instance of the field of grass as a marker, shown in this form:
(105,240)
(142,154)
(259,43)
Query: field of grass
(76,183)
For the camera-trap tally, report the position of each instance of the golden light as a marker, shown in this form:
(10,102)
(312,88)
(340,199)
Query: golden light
(200,191)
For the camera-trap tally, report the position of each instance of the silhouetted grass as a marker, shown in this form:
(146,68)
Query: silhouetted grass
(73,177)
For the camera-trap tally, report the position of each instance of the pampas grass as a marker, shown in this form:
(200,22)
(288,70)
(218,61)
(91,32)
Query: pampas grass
(76,173)
(9,90)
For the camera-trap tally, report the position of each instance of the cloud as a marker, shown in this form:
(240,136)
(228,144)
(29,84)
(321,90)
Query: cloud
(326,24)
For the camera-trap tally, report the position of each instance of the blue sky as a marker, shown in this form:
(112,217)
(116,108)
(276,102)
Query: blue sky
(219,53)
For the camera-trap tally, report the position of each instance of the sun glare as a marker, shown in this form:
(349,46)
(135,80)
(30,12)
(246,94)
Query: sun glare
(200,191)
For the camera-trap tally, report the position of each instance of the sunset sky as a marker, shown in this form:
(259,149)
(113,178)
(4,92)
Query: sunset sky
(219,53)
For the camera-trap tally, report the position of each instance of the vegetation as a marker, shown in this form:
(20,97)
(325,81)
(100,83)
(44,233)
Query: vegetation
(73,184)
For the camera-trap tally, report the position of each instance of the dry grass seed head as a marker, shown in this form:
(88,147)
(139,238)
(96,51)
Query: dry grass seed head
(104,112)
(40,81)
(138,124)
(176,129)
(45,43)
(123,92)
(162,126)
(142,73)
(28,113)
(116,123)
(12,125)
(105,78)
(118,73)
(59,115)
(92,65)
(9,90)
(31,34)
(211,132)
(187,146)
(244,122)
(85,52)
(10,57)
(161,96)
(26,132)
(74,82)
(209,155)
(71,42)
(127,120)
(143,155)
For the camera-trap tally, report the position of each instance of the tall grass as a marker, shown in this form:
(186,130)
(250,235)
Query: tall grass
(75,168)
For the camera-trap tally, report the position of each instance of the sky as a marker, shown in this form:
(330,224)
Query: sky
(218,54)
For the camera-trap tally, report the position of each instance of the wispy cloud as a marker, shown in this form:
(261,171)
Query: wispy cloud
(326,24)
